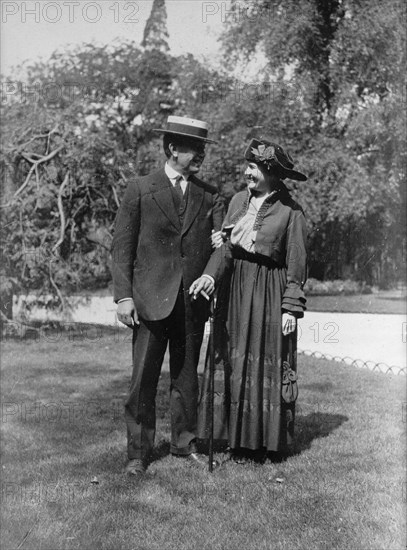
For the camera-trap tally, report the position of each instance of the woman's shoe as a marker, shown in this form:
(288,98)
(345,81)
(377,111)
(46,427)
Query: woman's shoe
(248,455)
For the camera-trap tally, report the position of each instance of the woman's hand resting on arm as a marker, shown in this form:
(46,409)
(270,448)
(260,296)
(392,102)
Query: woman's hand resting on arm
(220,237)
(217,239)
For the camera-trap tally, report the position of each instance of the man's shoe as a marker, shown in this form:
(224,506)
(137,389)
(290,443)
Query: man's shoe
(136,467)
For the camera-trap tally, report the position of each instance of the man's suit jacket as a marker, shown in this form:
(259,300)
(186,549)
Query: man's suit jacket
(153,250)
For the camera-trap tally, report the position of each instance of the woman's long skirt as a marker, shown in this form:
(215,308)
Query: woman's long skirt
(249,353)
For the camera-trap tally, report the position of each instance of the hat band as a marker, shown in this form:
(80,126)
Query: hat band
(186,129)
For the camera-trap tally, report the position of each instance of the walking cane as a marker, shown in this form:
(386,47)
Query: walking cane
(211,381)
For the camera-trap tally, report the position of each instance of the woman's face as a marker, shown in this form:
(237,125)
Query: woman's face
(257,178)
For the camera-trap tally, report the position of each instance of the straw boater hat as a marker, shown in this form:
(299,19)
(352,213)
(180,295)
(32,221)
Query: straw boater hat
(273,157)
(187,127)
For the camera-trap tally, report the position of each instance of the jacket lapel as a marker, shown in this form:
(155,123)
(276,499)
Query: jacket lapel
(162,194)
(195,199)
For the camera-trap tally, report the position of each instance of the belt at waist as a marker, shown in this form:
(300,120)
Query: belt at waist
(240,253)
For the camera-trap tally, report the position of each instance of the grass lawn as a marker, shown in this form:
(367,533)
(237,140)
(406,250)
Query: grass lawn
(63,486)
(381,302)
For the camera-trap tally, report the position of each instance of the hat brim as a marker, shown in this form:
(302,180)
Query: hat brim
(285,172)
(276,161)
(192,136)
(294,175)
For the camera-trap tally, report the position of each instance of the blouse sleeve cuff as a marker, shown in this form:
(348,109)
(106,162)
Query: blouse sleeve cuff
(294,300)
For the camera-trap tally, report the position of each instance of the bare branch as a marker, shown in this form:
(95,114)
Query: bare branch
(37,177)
(57,290)
(34,166)
(96,241)
(368,151)
(81,205)
(48,143)
(115,196)
(20,216)
(72,234)
(61,212)
(39,136)
(26,181)
(4,318)
(122,175)
(44,158)
(32,155)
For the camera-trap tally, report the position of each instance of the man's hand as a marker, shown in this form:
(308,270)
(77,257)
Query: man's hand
(289,323)
(203,285)
(127,314)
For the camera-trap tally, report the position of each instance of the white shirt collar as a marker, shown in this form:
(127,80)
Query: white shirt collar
(172,174)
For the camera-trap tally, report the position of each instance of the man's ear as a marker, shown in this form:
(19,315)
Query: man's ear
(173,149)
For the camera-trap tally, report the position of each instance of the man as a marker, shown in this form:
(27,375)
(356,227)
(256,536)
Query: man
(161,245)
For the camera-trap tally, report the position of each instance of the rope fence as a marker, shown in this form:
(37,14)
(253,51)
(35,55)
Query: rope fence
(370,365)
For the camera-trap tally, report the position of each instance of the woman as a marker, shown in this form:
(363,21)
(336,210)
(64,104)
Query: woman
(264,257)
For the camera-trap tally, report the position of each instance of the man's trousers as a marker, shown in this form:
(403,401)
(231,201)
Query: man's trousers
(150,340)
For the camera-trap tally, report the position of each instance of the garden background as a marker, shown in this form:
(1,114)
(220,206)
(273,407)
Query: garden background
(325,78)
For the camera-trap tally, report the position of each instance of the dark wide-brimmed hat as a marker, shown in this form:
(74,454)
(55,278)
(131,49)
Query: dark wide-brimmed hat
(186,127)
(273,156)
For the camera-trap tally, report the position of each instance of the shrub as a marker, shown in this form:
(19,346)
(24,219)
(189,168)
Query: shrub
(313,287)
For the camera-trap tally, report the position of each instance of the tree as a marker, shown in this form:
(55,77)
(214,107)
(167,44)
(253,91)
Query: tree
(83,122)
(155,32)
(335,67)
(68,151)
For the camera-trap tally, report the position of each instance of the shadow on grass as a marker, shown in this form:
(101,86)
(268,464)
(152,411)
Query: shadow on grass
(307,428)
(314,426)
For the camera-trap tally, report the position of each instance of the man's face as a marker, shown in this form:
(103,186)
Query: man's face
(188,157)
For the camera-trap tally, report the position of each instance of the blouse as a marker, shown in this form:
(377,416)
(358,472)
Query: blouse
(279,233)
(243,233)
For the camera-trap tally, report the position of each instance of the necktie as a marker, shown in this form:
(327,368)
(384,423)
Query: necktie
(178,187)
